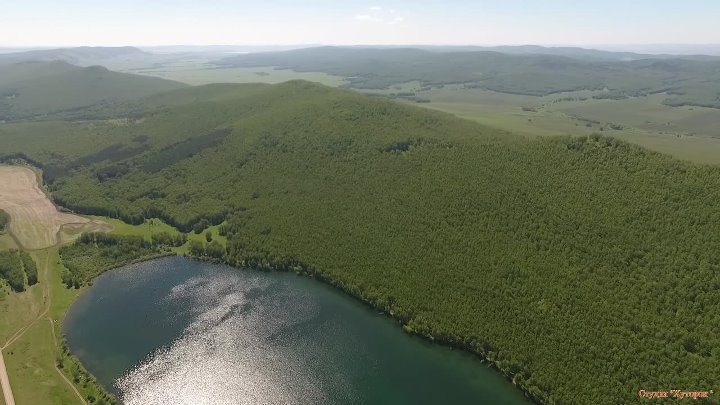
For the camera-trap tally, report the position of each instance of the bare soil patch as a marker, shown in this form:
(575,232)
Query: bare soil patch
(35,223)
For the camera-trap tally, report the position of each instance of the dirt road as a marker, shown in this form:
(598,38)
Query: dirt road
(5,383)
(35,223)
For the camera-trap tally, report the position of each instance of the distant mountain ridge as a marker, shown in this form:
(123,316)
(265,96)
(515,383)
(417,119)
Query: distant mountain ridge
(584,53)
(115,58)
(527,69)
(32,89)
(81,56)
(686,80)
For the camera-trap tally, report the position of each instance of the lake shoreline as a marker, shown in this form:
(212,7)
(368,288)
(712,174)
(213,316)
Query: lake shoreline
(309,272)
(483,379)
(62,342)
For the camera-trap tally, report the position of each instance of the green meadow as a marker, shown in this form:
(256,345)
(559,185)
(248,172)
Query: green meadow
(687,132)
(41,370)
(201,72)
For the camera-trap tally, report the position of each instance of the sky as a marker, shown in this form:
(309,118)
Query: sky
(344,22)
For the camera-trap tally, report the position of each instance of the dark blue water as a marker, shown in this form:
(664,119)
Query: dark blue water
(177,331)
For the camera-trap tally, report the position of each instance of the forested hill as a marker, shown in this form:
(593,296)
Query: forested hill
(36,89)
(687,81)
(586,269)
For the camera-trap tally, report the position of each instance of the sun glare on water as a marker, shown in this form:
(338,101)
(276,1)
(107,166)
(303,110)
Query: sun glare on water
(226,356)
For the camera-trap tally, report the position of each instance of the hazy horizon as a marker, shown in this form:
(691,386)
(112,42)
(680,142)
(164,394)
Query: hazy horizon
(592,24)
(711,49)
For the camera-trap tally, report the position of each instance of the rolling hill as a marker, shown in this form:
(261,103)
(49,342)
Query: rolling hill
(587,54)
(583,268)
(687,81)
(33,89)
(114,58)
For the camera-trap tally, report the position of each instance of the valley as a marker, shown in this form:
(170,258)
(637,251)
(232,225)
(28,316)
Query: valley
(687,131)
(564,238)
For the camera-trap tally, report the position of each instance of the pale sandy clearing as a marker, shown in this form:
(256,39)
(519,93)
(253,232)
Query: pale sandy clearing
(35,223)
(5,383)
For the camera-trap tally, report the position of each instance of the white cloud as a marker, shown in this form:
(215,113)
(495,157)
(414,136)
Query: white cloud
(378,14)
(369,18)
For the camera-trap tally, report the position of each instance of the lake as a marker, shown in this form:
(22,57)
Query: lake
(178,331)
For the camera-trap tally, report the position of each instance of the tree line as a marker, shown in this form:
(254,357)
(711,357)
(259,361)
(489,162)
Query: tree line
(18,269)
(4,220)
(94,253)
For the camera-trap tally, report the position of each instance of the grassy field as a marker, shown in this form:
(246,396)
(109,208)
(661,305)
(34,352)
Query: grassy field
(29,328)
(146,230)
(689,133)
(31,364)
(7,242)
(155,226)
(649,114)
(199,72)
(693,82)
(685,132)
(31,321)
(36,223)
(13,319)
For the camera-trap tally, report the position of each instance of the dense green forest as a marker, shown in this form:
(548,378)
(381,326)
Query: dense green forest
(4,220)
(584,268)
(687,81)
(18,269)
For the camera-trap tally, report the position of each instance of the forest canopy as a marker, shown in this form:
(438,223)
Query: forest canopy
(584,268)
(18,269)
(94,253)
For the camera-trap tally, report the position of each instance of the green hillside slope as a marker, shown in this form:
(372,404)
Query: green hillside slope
(584,268)
(38,88)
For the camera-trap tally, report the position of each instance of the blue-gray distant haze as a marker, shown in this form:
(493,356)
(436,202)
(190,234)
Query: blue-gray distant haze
(669,49)
(457,22)
(677,49)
